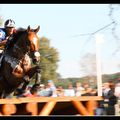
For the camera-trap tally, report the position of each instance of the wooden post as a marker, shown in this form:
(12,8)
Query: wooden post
(91,106)
(99,40)
(8,109)
(32,107)
(80,107)
(48,107)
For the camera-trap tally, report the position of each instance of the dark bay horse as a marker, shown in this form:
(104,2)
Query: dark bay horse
(16,67)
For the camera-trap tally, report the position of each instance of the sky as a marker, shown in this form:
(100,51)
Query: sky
(63,25)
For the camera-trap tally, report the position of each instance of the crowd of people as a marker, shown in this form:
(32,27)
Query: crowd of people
(51,90)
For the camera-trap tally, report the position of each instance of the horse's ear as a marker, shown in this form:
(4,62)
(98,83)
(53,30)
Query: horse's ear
(28,29)
(37,29)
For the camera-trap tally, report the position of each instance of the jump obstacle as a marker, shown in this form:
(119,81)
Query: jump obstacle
(46,106)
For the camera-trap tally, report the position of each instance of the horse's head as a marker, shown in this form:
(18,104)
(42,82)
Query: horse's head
(33,42)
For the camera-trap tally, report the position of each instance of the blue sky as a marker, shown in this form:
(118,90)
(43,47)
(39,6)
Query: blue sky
(62,24)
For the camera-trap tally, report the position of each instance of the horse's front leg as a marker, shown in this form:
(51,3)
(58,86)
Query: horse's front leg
(31,72)
(34,70)
(26,80)
(38,78)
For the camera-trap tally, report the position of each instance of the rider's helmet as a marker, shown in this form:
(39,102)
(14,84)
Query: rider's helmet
(9,23)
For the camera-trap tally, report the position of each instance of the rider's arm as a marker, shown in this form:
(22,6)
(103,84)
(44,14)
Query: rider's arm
(3,42)
(3,39)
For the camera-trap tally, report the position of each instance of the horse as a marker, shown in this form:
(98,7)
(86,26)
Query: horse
(16,65)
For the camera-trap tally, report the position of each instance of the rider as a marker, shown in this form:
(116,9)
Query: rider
(6,34)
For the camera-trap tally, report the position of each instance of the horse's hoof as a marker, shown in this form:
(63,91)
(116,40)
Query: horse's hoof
(26,78)
(36,86)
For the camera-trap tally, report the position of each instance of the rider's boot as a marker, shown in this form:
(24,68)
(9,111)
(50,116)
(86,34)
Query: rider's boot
(1,56)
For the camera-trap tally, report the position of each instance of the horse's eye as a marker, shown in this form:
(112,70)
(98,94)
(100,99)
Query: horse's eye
(27,42)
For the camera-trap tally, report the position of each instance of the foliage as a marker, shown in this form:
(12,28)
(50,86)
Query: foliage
(48,61)
(88,64)
(1,20)
(86,79)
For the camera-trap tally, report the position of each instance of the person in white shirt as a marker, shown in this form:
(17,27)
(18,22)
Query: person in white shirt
(78,89)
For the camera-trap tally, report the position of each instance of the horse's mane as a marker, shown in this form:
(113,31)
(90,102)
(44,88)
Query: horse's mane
(18,33)
(16,36)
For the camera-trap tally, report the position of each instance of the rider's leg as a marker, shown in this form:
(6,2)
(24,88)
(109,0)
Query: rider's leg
(1,51)
(0,58)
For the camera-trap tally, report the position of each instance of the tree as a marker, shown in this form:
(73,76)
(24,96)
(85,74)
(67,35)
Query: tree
(48,62)
(88,64)
(1,20)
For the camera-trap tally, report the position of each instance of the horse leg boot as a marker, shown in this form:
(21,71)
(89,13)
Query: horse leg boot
(26,82)
(38,78)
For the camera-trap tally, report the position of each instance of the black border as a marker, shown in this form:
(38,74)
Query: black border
(59,2)
(60,117)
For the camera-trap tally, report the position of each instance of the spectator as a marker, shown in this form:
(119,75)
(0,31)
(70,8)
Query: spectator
(78,89)
(42,90)
(86,85)
(34,91)
(117,88)
(52,88)
(89,92)
(70,91)
(60,91)
(108,104)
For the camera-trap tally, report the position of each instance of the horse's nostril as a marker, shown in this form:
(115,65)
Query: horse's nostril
(35,61)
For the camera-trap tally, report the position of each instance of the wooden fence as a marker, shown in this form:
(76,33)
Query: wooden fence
(44,106)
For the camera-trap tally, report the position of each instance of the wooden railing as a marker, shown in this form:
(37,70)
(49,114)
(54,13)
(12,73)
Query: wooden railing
(44,106)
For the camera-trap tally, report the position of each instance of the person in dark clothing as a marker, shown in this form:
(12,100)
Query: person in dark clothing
(112,99)
(107,105)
